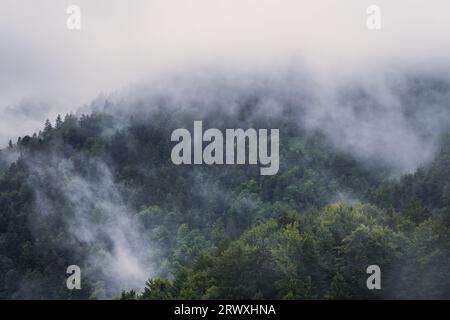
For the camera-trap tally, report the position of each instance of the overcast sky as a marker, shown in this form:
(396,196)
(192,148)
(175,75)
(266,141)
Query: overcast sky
(46,69)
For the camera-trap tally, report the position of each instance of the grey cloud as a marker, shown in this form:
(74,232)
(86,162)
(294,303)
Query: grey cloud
(121,43)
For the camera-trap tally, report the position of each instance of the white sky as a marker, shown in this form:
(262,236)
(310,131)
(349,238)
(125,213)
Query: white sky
(46,69)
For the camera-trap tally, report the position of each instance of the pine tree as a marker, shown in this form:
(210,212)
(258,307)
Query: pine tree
(58,121)
(47,127)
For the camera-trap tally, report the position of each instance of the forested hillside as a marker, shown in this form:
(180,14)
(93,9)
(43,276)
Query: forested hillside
(402,225)
(101,192)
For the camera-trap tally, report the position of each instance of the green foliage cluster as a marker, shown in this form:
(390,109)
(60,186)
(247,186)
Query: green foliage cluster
(321,254)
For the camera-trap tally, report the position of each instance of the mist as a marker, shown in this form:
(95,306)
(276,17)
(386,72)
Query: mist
(394,118)
(117,253)
(381,96)
(47,69)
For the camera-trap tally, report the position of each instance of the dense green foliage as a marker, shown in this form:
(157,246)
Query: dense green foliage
(320,254)
(224,231)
